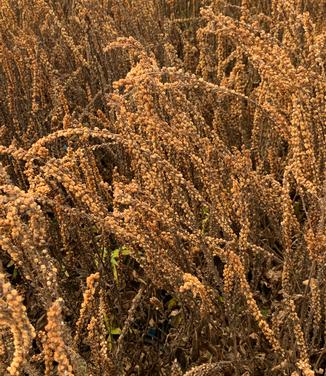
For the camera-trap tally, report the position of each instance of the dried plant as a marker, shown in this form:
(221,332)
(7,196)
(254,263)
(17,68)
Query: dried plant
(162,187)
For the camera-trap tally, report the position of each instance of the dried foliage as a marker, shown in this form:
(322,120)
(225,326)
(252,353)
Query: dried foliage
(162,187)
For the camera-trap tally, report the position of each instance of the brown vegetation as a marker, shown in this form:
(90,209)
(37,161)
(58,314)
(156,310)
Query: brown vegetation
(162,187)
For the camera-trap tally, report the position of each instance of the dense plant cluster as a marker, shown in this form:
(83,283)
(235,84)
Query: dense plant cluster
(162,187)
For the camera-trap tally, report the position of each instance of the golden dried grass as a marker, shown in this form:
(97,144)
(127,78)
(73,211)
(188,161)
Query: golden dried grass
(171,156)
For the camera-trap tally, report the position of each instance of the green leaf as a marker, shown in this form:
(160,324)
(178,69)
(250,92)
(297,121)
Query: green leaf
(15,274)
(125,251)
(114,260)
(205,220)
(172,303)
(115,331)
(115,275)
(10,263)
(114,263)
(106,322)
(115,254)
(105,253)
(265,312)
(205,210)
